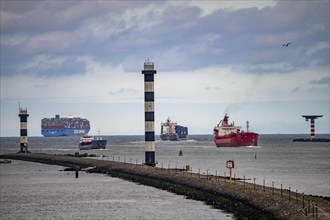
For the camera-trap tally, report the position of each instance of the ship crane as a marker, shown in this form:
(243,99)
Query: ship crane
(312,118)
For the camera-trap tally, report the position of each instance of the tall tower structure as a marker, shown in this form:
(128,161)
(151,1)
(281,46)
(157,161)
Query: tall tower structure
(312,118)
(23,119)
(149,113)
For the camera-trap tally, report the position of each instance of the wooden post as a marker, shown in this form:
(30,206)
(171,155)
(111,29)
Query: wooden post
(264,185)
(296,196)
(309,206)
(303,199)
(289,193)
(316,217)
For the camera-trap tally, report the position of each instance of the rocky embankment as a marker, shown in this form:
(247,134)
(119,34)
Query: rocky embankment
(244,200)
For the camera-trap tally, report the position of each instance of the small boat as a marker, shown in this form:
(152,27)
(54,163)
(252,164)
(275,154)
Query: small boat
(171,131)
(229,135)
(90,143)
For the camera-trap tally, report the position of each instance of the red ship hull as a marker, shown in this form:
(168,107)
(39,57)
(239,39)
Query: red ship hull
(237,139)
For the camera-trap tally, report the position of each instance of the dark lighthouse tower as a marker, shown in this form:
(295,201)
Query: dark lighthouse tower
(312,118)
(149,113)
(23,115)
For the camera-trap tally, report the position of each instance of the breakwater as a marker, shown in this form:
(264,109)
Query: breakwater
(244,200)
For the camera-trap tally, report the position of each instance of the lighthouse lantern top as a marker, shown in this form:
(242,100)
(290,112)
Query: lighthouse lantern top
(148,65)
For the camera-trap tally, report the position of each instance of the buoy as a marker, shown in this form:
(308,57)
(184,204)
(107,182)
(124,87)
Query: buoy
(255,156)
(180,153)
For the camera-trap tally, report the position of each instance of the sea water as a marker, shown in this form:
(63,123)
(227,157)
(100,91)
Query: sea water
(302,166)
(38,191)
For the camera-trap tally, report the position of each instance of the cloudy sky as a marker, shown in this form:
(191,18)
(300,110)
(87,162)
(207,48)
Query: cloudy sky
(212,57)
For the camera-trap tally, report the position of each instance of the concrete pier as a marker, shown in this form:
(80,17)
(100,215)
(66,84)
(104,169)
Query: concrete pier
(244,200)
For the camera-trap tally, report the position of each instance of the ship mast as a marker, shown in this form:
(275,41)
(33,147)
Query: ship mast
(247,126)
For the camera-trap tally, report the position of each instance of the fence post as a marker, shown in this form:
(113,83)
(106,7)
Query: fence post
(273,187)
(316,211)
(303,198)
(225,177)
(309,207)
(244,181)
(254,183)
(264,185)
(296,196)
(199,172)
(281,190)
(289,193)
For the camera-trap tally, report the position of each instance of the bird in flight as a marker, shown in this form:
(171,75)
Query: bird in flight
(286,45)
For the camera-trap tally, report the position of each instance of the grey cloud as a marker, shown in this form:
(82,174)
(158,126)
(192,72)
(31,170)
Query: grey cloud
(323,80)
(123,91)
(69,66)
(176,38)
(41,86)
(297,89)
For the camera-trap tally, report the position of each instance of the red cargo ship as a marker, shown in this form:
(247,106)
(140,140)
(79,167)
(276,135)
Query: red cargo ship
(229,135)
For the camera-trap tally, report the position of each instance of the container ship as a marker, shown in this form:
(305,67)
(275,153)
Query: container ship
(229,135)
(64,126)
(171,131)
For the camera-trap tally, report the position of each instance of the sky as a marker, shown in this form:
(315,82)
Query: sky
(85,58)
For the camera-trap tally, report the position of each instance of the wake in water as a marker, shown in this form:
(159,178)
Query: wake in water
(253,146)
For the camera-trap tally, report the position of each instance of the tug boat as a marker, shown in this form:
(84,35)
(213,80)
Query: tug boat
(229,135)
